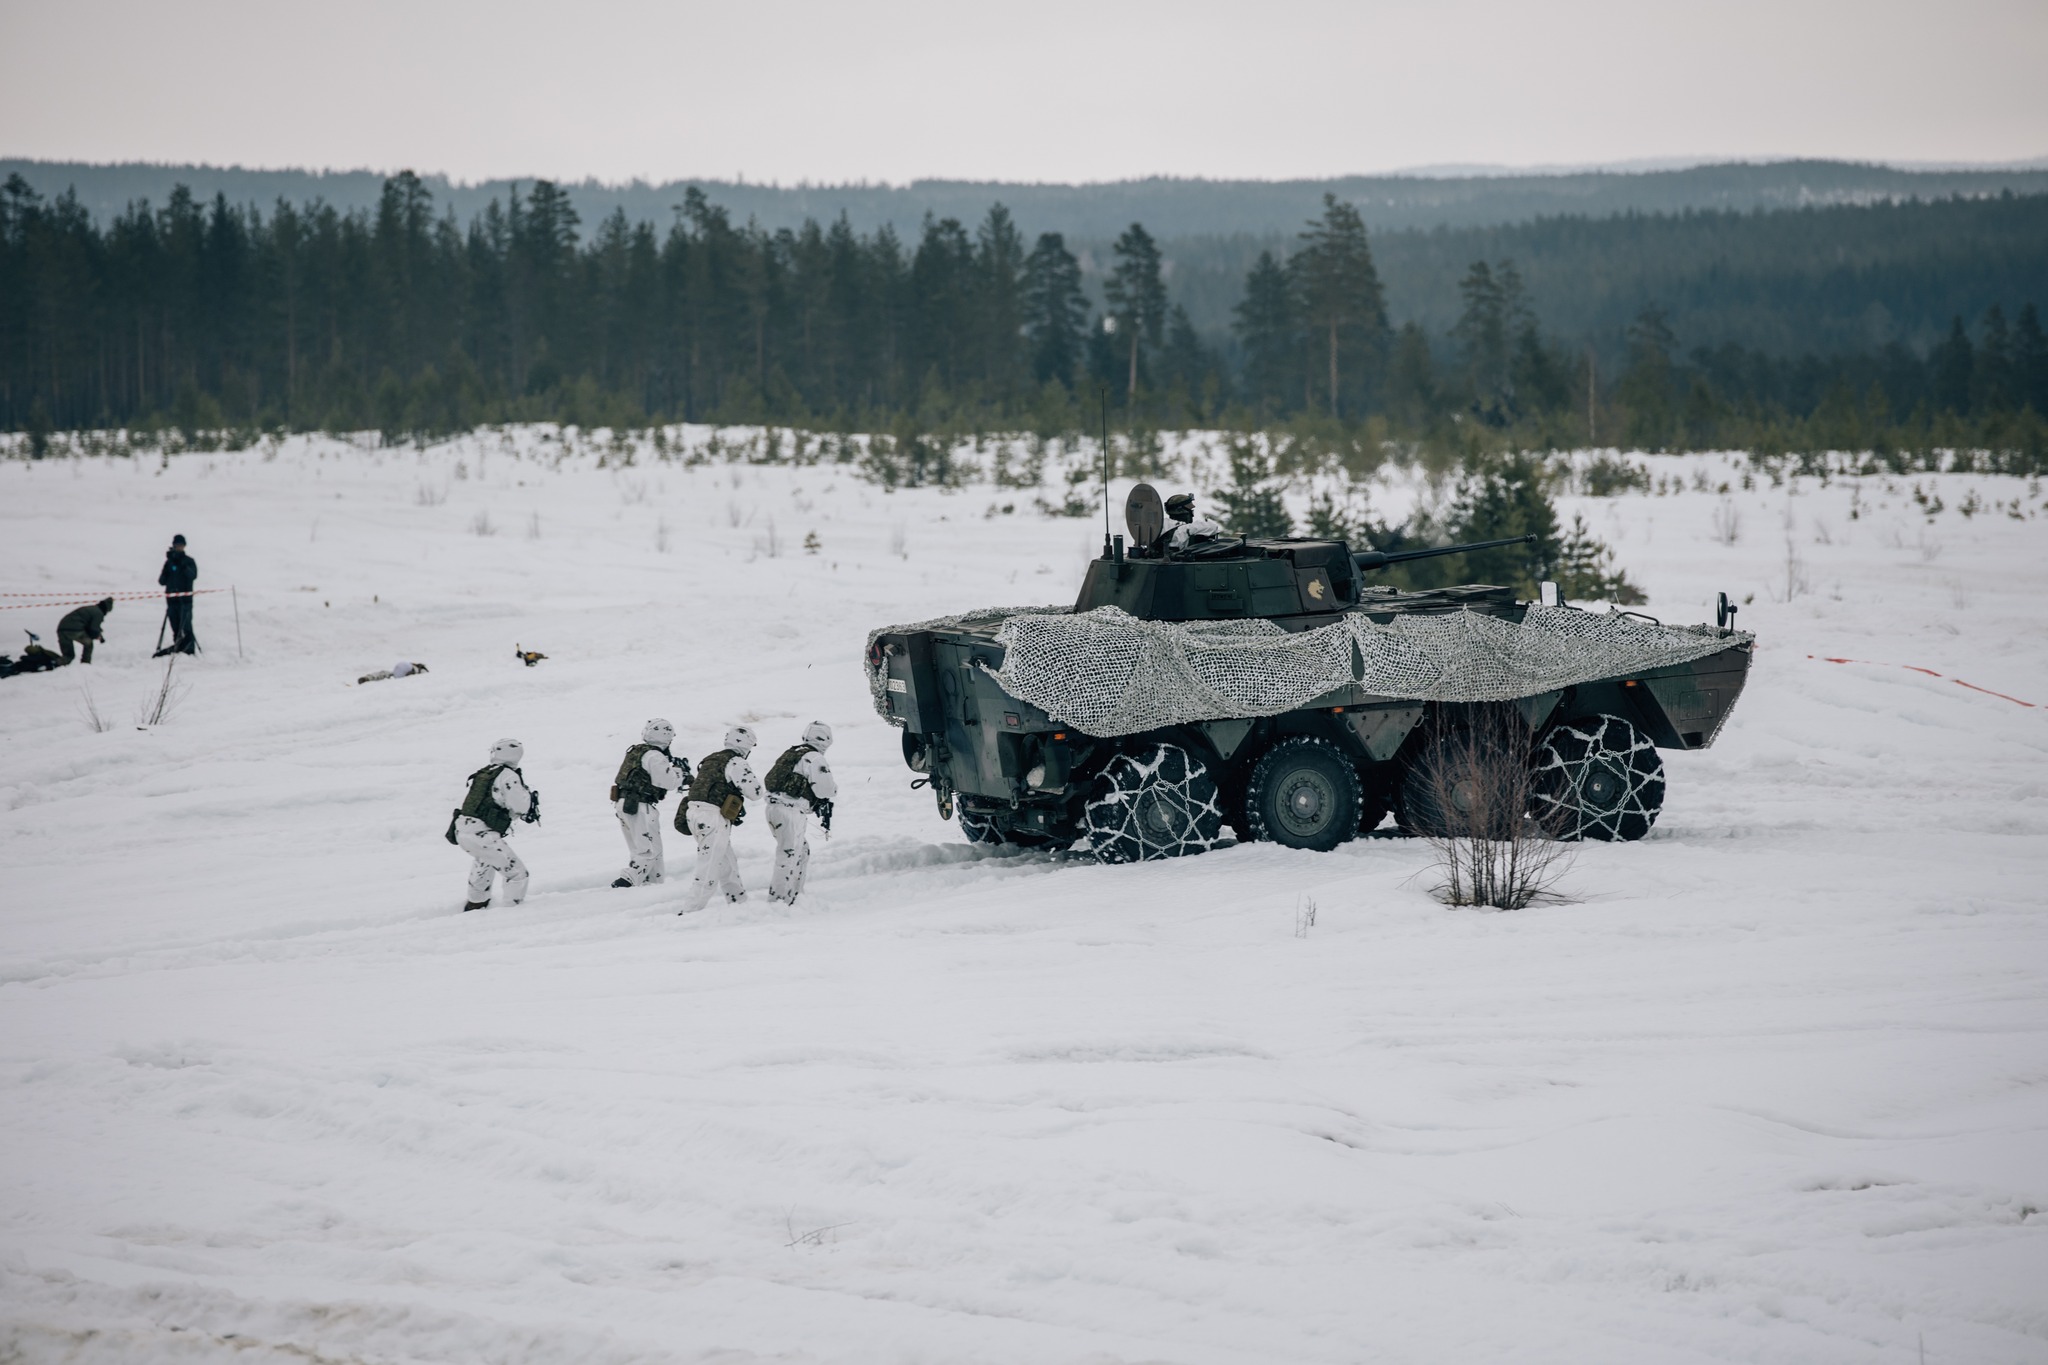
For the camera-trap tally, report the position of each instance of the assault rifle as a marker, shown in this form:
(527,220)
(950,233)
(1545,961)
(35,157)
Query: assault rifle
(1379,559)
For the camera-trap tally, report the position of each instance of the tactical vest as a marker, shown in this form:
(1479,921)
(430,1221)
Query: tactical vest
(714,789)
(633,785)
(785,780)
(481,804)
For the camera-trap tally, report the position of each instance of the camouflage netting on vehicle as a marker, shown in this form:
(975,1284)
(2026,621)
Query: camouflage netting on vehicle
(878,681)
(1108,673)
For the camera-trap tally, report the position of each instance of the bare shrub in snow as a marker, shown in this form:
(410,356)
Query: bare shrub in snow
(1797,584)
(94,721)
(816,1237)
(661,536)
(481,524)
(632,492)
(426,495)
(1304,916)
(769,546)
(1489,850)
(533,526)
(899,541)
(157,707)
(1727,523)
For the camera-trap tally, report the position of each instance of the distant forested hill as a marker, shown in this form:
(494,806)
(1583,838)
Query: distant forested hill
(1837,322)
(1822,280)
(1168,208)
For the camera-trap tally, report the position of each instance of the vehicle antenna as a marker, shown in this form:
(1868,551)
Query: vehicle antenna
(1105,471)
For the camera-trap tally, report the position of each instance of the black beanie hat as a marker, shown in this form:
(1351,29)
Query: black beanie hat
(177,540)
(106,604)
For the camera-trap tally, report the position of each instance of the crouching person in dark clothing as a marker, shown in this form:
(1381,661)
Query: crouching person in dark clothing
(83,626)
(180,572)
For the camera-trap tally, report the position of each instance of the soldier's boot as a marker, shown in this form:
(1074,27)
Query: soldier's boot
(468,906)
(622,882)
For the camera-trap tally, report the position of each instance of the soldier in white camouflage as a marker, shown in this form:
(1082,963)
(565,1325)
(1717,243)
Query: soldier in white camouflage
(646,776)
(497,795)
(800,786)
(718,801)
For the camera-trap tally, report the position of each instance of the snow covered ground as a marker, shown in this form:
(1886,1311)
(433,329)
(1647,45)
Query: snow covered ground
(1769,1086)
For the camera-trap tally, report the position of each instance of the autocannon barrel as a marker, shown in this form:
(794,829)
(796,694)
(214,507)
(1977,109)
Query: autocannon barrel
(1379,559)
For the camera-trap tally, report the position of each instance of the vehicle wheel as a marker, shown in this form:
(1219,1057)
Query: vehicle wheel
(1304,794)
(1160,803)
(1597,777)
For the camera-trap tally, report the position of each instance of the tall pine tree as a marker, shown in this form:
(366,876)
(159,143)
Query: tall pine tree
(1341,301)
(1266,327)
(1136,292)
(1055,310)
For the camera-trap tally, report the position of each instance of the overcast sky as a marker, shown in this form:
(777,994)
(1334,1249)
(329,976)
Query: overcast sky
(1053,91)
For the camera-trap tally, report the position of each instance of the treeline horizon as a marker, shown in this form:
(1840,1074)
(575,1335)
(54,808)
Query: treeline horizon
(404,320)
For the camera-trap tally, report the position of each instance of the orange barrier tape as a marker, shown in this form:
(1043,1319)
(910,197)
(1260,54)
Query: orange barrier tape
(69,599)
(1915,668)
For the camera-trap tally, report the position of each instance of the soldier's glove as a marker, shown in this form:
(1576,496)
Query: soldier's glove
(824,809)
(532,816)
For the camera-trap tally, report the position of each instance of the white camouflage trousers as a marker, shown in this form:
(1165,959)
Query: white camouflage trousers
(642,828)
(493,857)
(718,867)
(788,820)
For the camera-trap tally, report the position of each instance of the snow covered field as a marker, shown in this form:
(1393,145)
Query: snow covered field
(1770,1086)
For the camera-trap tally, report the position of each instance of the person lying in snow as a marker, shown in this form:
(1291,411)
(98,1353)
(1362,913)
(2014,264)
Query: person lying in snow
(401,669)
(34,659)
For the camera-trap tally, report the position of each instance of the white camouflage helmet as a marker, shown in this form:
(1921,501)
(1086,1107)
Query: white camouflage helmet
(818,735)
(658,732)
(740,740)
(508,752)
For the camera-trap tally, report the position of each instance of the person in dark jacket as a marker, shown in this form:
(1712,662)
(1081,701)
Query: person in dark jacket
(84,626)
(180,572)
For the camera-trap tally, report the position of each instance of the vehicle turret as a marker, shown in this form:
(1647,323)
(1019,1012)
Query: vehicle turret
(1222,578)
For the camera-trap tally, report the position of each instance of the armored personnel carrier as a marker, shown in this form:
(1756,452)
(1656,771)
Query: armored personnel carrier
(1267,685)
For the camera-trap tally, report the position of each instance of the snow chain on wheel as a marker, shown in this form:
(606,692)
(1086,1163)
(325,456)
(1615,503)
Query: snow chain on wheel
(1304,794)
(1597,777)
(978,828)
(1157,803)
